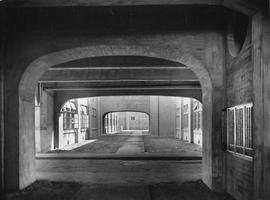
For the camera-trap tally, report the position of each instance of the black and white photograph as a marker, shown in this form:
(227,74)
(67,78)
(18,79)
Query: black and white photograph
(135,99)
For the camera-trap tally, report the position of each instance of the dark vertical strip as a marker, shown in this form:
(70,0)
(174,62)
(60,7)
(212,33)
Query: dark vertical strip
(2,126)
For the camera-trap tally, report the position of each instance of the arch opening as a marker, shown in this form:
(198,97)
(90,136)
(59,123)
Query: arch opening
(126,122)
(42,64)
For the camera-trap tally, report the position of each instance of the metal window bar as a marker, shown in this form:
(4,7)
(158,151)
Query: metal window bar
(239,129)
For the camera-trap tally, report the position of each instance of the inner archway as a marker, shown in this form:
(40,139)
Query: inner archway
(41,65)
(125,121)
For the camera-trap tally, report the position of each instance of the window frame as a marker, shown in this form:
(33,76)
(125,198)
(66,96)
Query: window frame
(242,127)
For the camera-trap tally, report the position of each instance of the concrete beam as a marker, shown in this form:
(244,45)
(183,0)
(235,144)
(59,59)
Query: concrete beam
(63,96)
(120,84)
(243,6)
(122,75)
(122,68)
(127,88)
(53,3)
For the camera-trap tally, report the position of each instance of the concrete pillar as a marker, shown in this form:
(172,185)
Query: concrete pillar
(37,126)
(214,102)
(154,120)
(78,128)
(99,117)
(127,120)
(181,119)
(261,81)
(46,119)
(191,122)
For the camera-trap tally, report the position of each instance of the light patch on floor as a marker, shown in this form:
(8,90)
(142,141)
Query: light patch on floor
(77,145)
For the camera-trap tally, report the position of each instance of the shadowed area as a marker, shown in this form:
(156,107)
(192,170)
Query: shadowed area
(194,190)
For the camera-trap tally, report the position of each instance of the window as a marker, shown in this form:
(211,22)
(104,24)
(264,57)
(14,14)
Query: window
(199,126)
(84,117)
(239,129)
(94,112)
(70,119)
(185,116)
(132,118)
(185,120)
(195,121)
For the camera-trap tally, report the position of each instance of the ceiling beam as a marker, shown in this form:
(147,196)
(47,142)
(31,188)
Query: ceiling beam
(243,6)
(97,93)
(54,3)
(126,88)
(121,68)
(120,84)
(117,75)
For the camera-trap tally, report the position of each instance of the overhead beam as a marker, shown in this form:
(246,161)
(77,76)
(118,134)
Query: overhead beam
(117,75)
(122,68)
(97,93)
(243,6)
(126,88)
(49,3)
(120,84)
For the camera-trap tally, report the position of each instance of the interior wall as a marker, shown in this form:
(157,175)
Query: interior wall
(239,70)
(166,113)
(261,81)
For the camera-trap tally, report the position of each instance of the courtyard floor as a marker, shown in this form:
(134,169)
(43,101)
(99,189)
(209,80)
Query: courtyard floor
(133,142)
(121,167)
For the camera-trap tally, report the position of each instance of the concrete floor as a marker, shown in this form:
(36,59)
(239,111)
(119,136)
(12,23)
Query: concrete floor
(44,190)
(135,143)
(120,172)
(114,178)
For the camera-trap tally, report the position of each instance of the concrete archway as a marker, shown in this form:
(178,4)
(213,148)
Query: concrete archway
(35,70)
(123,111)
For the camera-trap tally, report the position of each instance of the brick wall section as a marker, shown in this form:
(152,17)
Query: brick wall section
(240,77)
(239,177)
(239,90)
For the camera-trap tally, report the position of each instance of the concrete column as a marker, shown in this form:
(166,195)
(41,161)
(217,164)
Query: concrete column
(154,121)
(127,120)
(89,124)
(37,127)
(261,81)
(191,122)
(214,102)
(99,117)
(46,121)
(181,119)
(78,113)
(90,118)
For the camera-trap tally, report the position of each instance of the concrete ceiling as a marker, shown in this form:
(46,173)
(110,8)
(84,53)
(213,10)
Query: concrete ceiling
(243,6)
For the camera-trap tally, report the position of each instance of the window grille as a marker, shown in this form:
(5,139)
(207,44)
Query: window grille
(239,129)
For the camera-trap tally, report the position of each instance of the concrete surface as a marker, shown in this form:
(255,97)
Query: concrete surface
(127,172)
(43,190)
(132,143)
